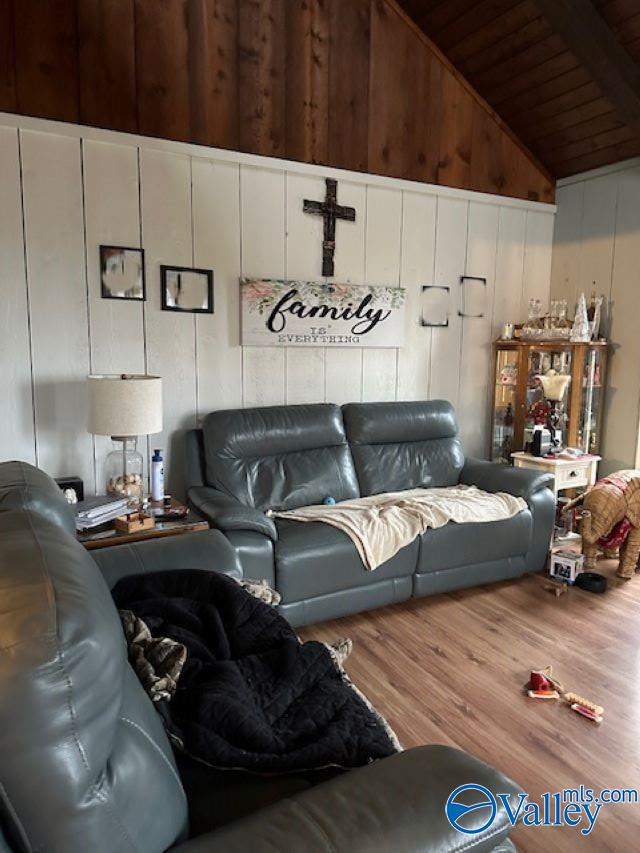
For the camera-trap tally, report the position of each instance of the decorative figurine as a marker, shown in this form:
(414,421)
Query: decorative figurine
(611,520)
(581,331)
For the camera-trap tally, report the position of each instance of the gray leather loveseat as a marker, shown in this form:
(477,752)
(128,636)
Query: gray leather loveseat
(244,462)
(85,765)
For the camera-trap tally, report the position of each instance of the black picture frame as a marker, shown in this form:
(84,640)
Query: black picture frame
(165,269)
(104,290)
(427,324)
(463,280)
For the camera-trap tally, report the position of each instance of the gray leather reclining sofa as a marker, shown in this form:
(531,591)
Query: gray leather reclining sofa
(85,765)
(244,462)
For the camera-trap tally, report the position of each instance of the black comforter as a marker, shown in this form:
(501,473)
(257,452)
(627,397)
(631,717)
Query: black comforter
(251,695)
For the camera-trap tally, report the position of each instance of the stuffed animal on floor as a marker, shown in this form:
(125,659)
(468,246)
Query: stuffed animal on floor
(611,520)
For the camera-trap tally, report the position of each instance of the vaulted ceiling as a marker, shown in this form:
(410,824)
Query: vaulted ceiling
(563,74)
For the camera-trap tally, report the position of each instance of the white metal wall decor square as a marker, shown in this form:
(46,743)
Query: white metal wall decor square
(319,314)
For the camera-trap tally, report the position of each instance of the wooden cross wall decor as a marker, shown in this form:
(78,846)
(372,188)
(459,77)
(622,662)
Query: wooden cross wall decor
(330,210)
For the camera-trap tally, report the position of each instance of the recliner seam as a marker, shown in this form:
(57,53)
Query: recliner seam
(155,746)
(308,814)
(471,844)
(53,605)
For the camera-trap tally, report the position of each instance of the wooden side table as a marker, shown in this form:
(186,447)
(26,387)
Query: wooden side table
(577,473)
(107,536)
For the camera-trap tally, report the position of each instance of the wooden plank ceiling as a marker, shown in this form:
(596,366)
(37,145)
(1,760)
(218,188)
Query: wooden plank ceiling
(510,53)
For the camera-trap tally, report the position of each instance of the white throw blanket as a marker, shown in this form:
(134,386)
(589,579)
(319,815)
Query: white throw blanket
(380,525)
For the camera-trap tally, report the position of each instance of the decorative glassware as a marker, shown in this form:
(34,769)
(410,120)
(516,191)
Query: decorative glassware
(123,469)
(534,326)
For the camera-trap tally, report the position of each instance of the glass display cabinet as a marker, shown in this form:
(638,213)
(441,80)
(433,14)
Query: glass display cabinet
(547,381)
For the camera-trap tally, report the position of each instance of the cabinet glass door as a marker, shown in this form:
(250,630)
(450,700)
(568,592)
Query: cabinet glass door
(591,402)
(506,381)
(547,398)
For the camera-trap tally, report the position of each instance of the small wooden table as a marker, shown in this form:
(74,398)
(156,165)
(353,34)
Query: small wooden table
(568,473)
(106,536)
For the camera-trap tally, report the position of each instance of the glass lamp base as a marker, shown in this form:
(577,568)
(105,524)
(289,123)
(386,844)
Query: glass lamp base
(124,470)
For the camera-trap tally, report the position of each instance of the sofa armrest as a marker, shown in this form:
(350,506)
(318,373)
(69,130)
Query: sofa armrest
(227,513)
(394,804)
(493,477)
(204,549)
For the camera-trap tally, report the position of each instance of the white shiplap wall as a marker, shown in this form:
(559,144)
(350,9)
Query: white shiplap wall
(65,190)
(597,239)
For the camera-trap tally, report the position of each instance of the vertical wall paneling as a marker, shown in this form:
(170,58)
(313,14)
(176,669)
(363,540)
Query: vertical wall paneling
(213,61)
(343,367)
(54,232)
(304,366)
(456,133)
(537,258)
(112,218)
(595,266)
(566,243)
(348,83)
(507,296)
(597,239)
(242,217)
(418,256)
(46,59)
(107,66)
(307,81)
(262,211)
(623,394)
(162,68)
(451,242)
(261,76)
(17,438)
(170,336)
(7,58)
(476,354)
(216,242)
(382,267)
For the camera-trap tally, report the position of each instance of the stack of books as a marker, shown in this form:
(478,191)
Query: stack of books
(99,510)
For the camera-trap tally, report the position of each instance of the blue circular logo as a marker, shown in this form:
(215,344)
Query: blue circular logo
(478,805)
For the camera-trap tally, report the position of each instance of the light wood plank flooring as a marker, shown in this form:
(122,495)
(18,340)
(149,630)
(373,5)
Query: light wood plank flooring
(450,669)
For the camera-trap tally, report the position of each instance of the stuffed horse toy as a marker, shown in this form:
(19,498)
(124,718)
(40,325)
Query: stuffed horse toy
(611,520)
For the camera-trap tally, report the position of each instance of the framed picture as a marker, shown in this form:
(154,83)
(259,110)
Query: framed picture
(435,306)
(122,273)
(186,289)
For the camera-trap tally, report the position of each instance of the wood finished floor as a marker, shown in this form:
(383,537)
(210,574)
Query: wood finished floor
(450,669)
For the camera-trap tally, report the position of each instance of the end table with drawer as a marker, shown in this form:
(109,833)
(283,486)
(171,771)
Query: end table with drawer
(580,472)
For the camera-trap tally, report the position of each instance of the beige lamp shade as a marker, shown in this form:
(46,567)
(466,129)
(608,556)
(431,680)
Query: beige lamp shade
(125,405)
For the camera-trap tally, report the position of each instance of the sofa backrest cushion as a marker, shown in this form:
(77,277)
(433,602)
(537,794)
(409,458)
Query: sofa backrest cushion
(22,486)
(84,760)
(398,446)
(279,457)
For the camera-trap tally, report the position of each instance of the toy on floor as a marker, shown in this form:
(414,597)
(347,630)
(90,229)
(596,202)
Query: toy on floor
(557,587)
(611,520)
(543,685)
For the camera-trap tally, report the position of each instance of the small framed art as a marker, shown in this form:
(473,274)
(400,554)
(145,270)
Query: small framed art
(122,273)
(187,290)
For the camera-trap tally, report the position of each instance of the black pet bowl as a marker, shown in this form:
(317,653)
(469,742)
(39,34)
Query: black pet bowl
(591,581)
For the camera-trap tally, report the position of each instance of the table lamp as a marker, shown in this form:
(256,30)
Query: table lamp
(554,386)
(125,406)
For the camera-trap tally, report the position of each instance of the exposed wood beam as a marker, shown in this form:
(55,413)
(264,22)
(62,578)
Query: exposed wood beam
(589,38)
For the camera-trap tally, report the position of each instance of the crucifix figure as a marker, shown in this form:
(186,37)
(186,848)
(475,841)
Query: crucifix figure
(330,210)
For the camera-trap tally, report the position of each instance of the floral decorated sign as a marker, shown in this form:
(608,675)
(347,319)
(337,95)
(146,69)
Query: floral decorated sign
(319,314)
